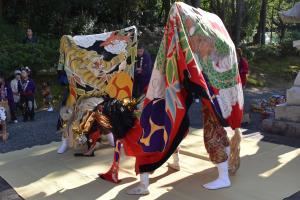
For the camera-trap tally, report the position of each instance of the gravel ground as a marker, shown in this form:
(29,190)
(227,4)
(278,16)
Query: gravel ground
(31,133)
(43,129)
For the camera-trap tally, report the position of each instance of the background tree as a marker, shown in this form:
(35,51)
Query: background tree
(261,29)
(194,3)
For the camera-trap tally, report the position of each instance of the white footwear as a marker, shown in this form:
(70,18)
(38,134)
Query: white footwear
(197,101)
(15,121)
(50,109)
(142,188)
(227,150)
(111,140)
(223,180)
(63,147)
(175,165)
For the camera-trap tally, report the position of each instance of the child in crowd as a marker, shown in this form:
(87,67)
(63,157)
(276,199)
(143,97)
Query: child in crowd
(26,88)
(47,96)
(16,94)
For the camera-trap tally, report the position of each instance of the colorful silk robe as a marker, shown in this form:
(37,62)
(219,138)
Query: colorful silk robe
(99,63)
(196,58)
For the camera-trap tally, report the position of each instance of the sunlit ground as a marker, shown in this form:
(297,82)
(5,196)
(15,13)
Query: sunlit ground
(268,171)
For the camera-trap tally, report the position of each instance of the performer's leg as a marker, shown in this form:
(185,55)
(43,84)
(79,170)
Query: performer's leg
(113,173)
(64,145)
(175,165)
(217,146)
(64,138)
(142,188)
(110,138)
(223,180)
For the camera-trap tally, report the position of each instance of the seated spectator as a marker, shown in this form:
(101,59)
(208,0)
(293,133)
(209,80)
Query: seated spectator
(29,38)
(47,96)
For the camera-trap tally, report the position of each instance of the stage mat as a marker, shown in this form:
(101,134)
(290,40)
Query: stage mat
(268,172)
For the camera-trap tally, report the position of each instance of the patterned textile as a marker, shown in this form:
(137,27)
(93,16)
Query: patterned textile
(96,64)
(196,58)
(99,63)
(215,137)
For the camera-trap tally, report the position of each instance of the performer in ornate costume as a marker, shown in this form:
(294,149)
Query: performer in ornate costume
(196,59)
(91,65)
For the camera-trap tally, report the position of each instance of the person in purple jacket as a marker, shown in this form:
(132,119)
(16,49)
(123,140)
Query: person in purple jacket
(27,90)
(142,71)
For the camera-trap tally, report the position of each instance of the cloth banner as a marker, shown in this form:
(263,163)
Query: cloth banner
(99,63)
(196,58)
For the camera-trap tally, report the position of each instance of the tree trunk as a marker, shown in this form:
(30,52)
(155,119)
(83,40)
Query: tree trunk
(271,28)
(259,38)
(263,21)
(238,23)
(212,6)
(1,9)
(194,3)
(166,5)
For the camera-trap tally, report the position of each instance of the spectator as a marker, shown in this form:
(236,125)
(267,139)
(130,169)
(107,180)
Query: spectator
(142,72)
(243,66)
(26,88)
(6,98)
(29,38)
(15,91)
(3,132)
(47,96)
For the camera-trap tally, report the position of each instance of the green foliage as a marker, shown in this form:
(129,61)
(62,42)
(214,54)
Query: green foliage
(265,51)
(36,56)
(13,53)
(269,71)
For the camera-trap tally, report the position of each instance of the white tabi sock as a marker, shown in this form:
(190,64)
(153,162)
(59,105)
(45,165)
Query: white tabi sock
(110,138)
(142,188)
(64,146)
(223,180)
(175,165)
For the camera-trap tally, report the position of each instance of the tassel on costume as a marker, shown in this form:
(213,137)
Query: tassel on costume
(234,158)
(113,174)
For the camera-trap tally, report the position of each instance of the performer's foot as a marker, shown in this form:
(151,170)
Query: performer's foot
(174,166)
(222,181)
(141,189)
(84,154)
(109,176)
(217,184)
(63,147)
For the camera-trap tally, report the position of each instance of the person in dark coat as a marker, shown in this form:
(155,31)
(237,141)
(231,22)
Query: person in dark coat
(142,72)
(30,38)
